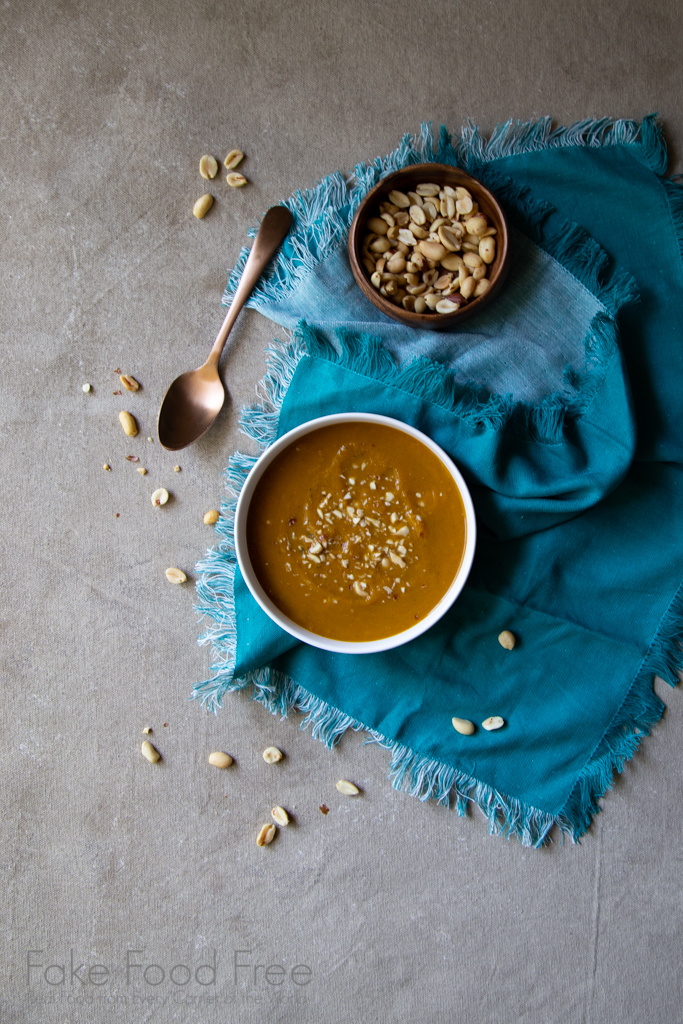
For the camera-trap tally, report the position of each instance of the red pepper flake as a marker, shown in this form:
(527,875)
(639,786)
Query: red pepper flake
(117,370)
(132,458)
(324,809)
(116,392)
(417,616)
(118,515)
(292,521)
(165,725)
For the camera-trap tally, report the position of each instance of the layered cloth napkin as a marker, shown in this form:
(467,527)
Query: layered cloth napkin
(561,404)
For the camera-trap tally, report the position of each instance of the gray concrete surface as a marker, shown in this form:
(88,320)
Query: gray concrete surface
(399,910)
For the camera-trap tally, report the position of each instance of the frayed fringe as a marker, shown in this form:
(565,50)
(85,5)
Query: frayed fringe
(424,379)
(216,594)
(323,214)
(640,711)
(514,138)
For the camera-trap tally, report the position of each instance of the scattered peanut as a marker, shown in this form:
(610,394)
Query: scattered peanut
(159,497)
(271,755)
(266,835)
(418,237)
(347,788)
(150,752)
(208,167)
(233,159)
(107,467)
(279,814)
(129,383)
(202,206)
(142,471)
(494,722)
(174,575)
(211,517)
(219,759)
(463,726)
(506,639)
(86,388)
(176,469)
(147,730)
(235,179)
(130,427)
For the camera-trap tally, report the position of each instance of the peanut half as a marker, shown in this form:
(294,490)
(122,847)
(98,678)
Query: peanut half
(160,496)
(271,755)
(211,517)
(235,179)
(208,166)
(463,726)
(347,788)
(494,722)
(130,427)
(233,159)
(174,575)
(506,639)
(202,206)
(129,383)
(279,814)
(150,752)
(266,835)
(219,759)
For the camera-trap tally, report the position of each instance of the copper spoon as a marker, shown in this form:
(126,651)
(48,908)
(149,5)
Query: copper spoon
(194,399)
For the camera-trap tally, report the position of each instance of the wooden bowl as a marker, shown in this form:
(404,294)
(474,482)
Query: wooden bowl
(405,181)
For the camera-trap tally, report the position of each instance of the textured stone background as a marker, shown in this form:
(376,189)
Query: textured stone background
(401,910)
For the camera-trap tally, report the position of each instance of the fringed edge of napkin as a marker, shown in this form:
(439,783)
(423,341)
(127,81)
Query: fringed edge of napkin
(323,214)
(409,770)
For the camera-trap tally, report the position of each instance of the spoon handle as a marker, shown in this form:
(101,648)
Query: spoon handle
(273,229)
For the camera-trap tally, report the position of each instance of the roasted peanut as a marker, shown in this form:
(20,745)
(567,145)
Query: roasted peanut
(174,575)
(423,232)
(130,427)
(233,159)
(506,639)
(150,752)
(208,167)
(219,759)
(202,206)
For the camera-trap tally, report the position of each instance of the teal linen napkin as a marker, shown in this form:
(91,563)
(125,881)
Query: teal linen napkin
(563,430)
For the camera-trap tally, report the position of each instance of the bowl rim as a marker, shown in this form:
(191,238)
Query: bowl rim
(426,321)
(305,635)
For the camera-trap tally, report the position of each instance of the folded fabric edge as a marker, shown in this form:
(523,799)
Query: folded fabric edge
(639,712)
(324,213)
(423,378)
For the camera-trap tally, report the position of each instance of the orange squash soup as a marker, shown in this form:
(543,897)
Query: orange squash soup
(356,531)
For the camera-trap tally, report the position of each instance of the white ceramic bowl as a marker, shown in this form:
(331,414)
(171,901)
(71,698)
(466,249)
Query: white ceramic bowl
(326,643)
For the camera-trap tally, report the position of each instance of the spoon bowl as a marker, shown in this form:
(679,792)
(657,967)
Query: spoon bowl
(190,406)
(194,399)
